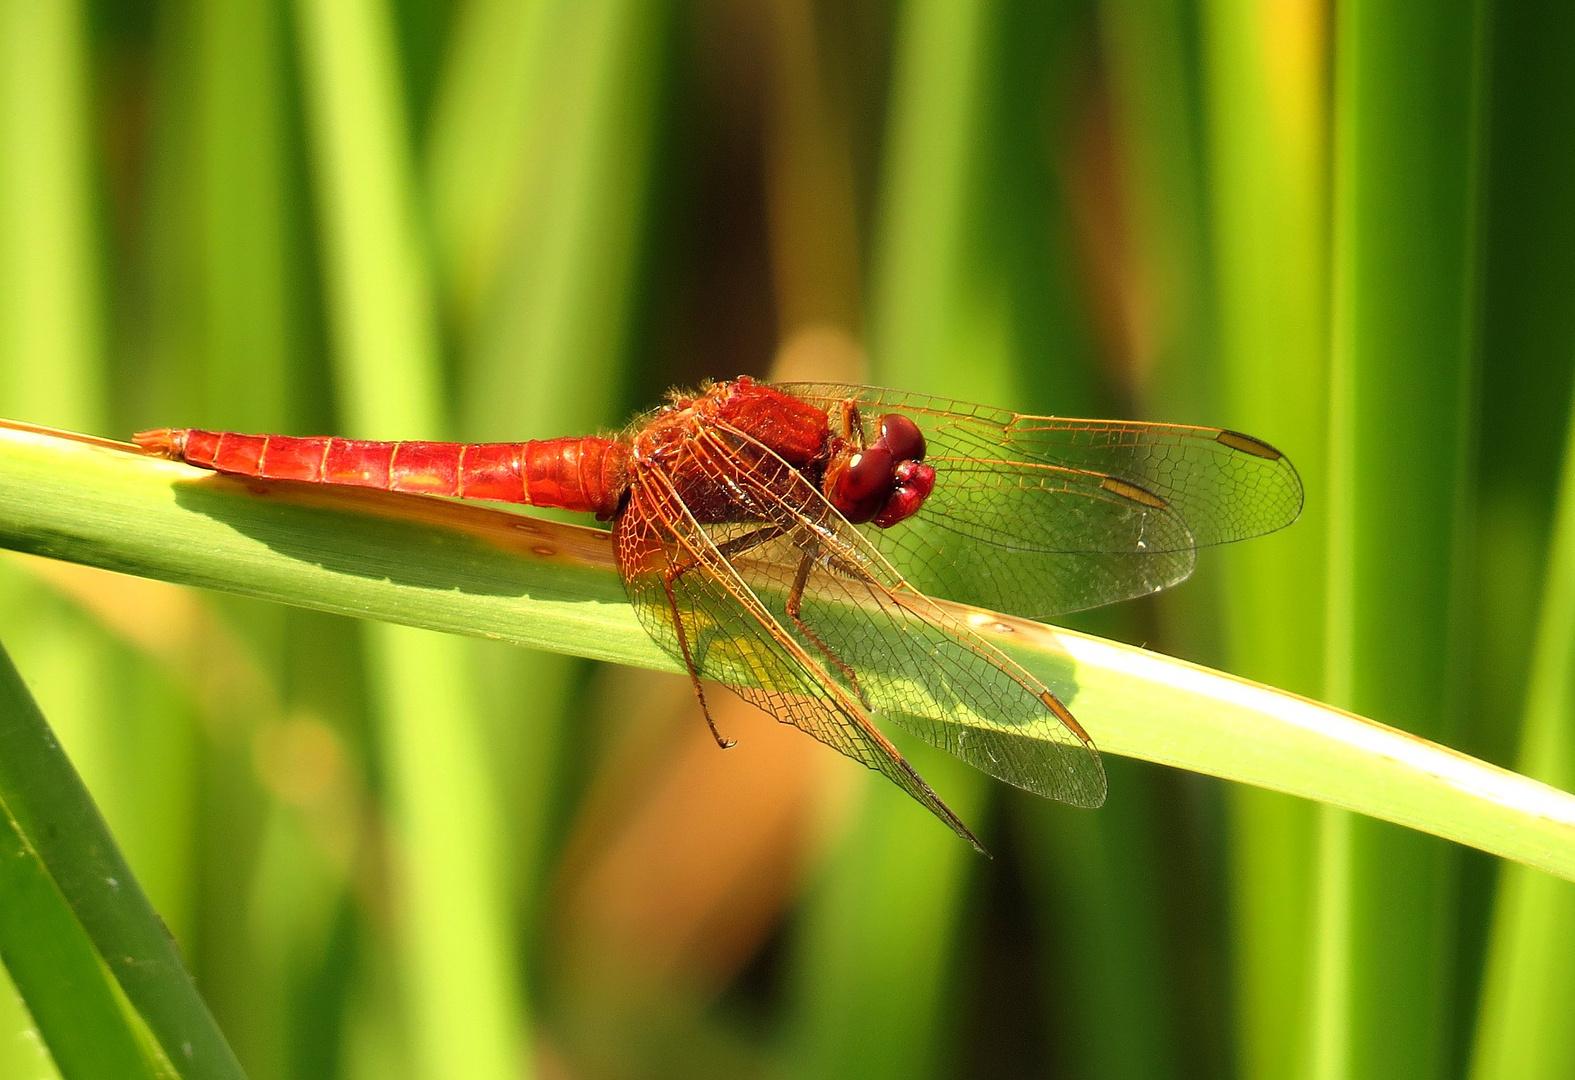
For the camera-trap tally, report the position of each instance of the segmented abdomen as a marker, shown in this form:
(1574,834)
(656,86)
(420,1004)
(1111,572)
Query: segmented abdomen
(578,473)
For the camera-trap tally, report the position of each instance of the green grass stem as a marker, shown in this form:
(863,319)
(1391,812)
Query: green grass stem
(1267,105)
(1529,986)
(74,910)
(457,941)
(1406,147)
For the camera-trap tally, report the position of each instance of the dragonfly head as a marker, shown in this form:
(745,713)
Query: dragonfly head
(885,482)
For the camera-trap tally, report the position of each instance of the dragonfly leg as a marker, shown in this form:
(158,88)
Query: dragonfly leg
(852,425)
(668,577)
(794,606)
(736,546)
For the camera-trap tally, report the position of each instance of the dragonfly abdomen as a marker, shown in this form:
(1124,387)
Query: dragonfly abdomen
(577,473)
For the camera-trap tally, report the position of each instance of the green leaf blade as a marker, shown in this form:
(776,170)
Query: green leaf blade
(473,570)
(58,831)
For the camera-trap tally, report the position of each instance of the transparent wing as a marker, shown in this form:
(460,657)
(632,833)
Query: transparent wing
(1040,516)
(680,584)
(883,642)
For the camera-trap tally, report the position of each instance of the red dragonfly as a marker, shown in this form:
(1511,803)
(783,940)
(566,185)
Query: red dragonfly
(776,538)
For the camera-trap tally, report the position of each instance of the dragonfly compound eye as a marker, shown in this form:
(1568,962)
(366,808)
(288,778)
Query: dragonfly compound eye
(912,484)
(902,437)
(861,487)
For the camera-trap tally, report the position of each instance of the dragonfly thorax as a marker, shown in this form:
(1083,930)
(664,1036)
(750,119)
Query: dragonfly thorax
(884,481)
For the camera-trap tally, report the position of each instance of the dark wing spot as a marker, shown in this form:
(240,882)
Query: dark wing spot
(1064,714)
(1248,445)
(1128,490)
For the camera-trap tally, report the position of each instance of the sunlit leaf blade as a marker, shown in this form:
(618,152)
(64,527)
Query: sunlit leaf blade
(473,570)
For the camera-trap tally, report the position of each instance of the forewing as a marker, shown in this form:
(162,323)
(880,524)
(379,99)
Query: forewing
(904,655)
(679,583)
(1040,515)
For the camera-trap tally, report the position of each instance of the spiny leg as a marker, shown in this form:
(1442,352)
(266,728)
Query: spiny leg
(794,606)
(668,577)
(728,549)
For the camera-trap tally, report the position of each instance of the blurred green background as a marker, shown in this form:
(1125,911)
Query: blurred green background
(1346,228)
